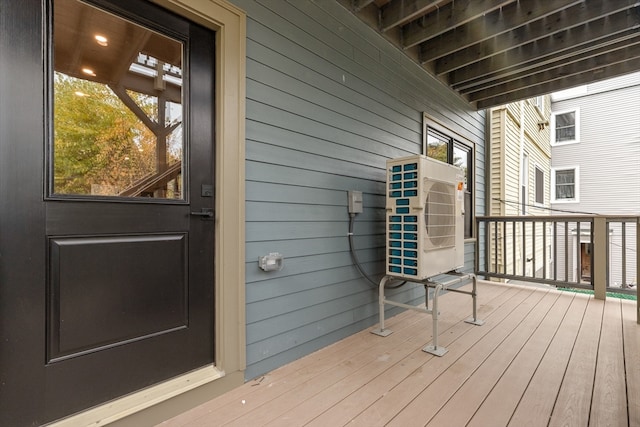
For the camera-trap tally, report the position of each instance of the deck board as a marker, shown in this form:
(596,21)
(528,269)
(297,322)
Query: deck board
(503,399)
(396,399)
(573,402)
(609,406)
(543,357)
(631,336)
(536,405)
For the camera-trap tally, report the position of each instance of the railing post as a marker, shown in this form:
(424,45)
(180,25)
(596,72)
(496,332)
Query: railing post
(599,268)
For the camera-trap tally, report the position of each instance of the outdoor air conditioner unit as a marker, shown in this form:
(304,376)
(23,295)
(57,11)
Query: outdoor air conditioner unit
(425,224)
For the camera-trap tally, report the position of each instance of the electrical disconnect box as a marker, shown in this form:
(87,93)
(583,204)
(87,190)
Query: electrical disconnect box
(355,202)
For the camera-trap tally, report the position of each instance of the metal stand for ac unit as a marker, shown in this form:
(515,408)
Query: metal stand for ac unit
(438,287)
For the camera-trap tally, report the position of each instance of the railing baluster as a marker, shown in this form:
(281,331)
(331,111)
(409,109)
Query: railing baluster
(578,255)
(623,248)
(533,247)
(524,250)
(513,247)
(555,251)
(495,248)
(504,246)
(544,249)
(566,251)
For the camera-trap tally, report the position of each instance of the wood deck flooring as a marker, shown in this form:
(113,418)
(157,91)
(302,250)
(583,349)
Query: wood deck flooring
(543,358)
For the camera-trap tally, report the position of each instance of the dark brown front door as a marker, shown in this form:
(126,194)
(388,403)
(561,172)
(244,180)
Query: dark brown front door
(106,185)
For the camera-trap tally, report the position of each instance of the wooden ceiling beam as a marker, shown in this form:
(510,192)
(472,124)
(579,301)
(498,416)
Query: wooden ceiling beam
(571,17)
(398,12)
(610,58)
(552,47)
(358,5)
(585,77)
(490,25)
(446,17)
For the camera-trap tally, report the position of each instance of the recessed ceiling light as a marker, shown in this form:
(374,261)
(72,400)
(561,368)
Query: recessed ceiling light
(78,93)
(89,72)
(102,40)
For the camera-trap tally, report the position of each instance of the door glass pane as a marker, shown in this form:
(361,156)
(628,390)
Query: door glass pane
(117,107)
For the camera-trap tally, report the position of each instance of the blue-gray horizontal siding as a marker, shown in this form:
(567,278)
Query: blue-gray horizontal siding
(328,102)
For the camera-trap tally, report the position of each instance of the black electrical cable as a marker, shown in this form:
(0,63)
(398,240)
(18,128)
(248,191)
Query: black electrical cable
(356,262)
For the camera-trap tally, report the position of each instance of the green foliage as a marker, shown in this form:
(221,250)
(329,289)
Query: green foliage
(100,146)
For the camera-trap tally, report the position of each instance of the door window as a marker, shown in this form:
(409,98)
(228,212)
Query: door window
(117,107)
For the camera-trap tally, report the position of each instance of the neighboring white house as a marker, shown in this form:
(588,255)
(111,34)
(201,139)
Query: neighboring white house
(595,167)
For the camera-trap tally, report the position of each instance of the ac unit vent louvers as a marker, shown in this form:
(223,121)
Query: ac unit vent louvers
(439,216)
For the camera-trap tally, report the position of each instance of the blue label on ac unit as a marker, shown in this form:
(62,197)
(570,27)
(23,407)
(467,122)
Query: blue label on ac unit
(411,218)
(396,177)
(395,194)
(410,254)
(402,210)
(396,244)
(402,202)
(411,184)
(395,252)
(410,262)
(394,235)
(410,245)
(396,168)
(395,218)
(395,261)
(411,167)
(411,271)
(410,193)
(410,236)
(410,227)
(411,175)
(395,227)
(395,185)
(395,269)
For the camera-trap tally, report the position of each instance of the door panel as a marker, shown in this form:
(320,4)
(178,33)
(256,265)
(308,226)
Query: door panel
(104,293)
(106,287)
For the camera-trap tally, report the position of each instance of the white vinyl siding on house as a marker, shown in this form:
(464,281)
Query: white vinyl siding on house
(608,158)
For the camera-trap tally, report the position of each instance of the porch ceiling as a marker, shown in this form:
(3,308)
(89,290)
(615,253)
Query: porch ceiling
(493,52)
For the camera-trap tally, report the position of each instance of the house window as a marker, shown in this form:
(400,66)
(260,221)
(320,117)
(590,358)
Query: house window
(538,101)
(440,145)
(539,186)
(565,127)
(565,184)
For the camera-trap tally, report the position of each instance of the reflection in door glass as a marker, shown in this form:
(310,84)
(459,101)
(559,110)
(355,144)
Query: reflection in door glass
(117,107)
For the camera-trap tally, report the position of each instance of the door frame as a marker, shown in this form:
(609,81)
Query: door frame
(161,401)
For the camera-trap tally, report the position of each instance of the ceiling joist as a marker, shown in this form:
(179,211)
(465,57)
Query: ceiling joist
(497,51)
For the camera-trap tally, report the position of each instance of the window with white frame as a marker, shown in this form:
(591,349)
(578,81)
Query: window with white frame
(565,184)
(565,127)
(539,186)
(538,101)
(442,144)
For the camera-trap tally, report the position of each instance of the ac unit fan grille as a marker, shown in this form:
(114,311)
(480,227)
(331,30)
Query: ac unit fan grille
(439,215)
